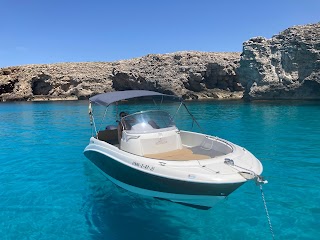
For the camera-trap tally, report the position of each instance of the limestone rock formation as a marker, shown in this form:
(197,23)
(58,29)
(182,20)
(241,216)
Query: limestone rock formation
(287,66)
(192,75)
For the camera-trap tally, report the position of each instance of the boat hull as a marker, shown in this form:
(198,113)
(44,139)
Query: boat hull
(149,184)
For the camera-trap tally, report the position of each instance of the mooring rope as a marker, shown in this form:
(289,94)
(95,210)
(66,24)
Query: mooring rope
(259,181)
(266,209)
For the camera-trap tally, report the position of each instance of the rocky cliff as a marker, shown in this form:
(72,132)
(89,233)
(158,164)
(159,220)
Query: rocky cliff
(193,75)
(287,66)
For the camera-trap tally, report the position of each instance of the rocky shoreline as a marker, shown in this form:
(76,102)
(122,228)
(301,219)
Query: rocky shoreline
(287,66)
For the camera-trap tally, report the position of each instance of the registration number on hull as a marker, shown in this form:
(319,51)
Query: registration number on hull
(143,166)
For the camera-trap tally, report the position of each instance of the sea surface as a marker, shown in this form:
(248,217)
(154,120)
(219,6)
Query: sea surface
(49,190)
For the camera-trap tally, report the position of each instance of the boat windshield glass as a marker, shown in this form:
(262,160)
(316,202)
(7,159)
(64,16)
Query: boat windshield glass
(147,121)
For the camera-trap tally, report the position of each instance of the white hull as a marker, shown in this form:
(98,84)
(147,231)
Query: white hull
(196,182)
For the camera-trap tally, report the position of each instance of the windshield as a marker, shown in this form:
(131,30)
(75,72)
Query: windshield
(147,121)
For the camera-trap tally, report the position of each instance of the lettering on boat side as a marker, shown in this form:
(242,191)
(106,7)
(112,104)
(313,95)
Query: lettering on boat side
(161,141)
(143,166)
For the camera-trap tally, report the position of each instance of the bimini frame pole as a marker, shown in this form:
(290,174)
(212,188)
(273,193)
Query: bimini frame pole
(177,109)
(193,118)
(92,123)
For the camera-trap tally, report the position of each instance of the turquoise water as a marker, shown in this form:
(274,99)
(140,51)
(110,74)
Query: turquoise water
(49,190)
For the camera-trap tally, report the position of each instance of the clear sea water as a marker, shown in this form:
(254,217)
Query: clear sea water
(48,190)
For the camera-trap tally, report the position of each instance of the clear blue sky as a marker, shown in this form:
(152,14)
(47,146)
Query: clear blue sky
(50,31)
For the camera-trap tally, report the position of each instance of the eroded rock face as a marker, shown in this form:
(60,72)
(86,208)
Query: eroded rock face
(192,75)
(55,81)
(287,66)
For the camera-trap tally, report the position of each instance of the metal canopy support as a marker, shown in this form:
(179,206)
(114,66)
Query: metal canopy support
(92,122)
(193,118)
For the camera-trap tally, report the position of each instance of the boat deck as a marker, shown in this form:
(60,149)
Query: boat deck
(183,154)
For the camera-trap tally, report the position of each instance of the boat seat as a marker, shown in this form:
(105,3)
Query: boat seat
(109,136)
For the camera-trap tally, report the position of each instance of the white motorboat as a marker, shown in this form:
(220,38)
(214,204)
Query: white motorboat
(147,154)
